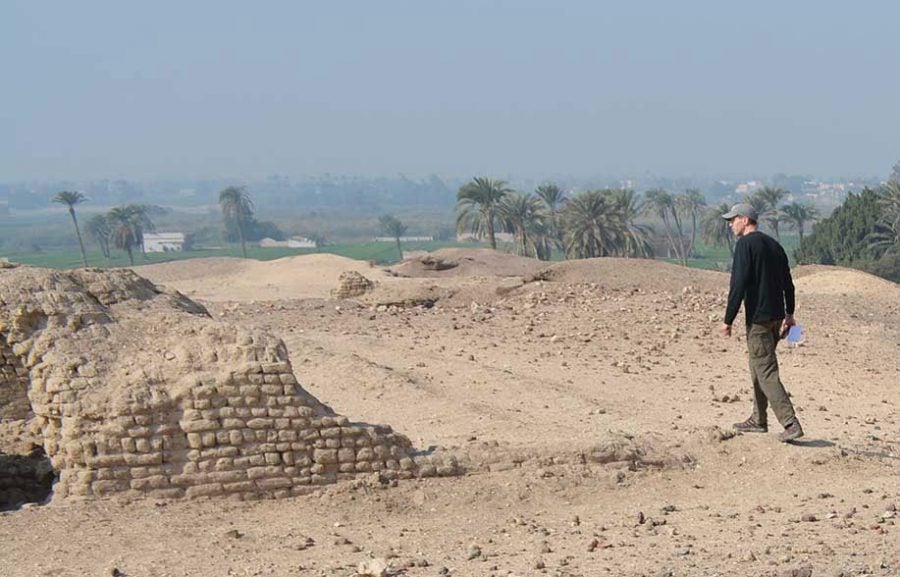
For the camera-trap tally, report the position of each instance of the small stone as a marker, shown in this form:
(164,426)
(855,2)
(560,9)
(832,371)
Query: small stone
(545,548)
(641,518)
(539,563)
(373,568)
(474,552)
(233,534)
(808,518)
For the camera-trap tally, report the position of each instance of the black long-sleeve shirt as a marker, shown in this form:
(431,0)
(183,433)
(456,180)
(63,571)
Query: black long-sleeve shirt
(761,278)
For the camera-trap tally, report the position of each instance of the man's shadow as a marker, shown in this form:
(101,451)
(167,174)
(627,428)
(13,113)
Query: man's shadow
(812,443)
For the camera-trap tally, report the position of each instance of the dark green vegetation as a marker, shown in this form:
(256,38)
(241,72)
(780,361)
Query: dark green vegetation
(862,233)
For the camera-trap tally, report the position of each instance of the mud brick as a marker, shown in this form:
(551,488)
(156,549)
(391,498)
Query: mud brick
(147,483)
(259,423)
(224,464)
(325,456)
(219,452)
(227,476)
(143,459)
(407,464)
(199,426)
(276,412)
(222,438)
(287,435)
(186,480)
(257,460)
(273,458)
(208,490)
(332,443)
(208,438)
(363,466)
(347,467)
(239,486)
(210,414)
(109,487)
(129,445)
(282,423)
(330,432)
(142,445)
(348,443)
(365,454)
(194,440)
(274,483)
(346,456)
(235,437)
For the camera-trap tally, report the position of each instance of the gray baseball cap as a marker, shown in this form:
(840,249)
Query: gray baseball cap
(741,209)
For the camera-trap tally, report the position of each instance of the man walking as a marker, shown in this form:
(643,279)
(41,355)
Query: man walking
(761,278)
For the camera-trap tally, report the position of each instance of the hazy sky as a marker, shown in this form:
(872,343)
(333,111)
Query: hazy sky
(502,88)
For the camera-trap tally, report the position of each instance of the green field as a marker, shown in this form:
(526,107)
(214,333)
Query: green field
(383,253)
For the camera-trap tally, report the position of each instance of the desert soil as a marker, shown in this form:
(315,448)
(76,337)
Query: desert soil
(590,402)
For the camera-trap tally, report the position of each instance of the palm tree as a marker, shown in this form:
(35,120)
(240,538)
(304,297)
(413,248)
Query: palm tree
(99,229)
(661,204)
(886,237)
(628,208)
(140,216)
(797,215)
(476,206)
(237,207)
(521,215)
(694,203)
(393,228)
(125,229)
(553,197)
(716,230)
(70,198)
(771,196)
(592,225)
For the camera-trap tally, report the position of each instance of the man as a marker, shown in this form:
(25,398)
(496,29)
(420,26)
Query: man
(761,278)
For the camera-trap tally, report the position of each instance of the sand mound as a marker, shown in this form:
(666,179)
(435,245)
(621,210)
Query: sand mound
(624,273)
(468,262)
(827,280)
(234,279)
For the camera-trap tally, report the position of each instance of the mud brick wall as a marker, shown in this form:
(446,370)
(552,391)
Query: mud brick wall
(13,385)
(252,434)
(137,391)
(352,284)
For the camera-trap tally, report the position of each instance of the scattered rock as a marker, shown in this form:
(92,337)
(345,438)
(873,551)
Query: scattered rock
(373,568)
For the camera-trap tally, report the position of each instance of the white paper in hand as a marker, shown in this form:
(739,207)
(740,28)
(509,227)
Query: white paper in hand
(795,335)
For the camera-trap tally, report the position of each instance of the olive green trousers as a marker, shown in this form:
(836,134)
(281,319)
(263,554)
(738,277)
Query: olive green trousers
(762,338)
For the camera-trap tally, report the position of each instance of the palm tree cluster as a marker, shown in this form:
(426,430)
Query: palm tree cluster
(766,201)
(122,227)
(589,224)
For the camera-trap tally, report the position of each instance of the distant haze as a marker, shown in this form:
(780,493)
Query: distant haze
(501,88)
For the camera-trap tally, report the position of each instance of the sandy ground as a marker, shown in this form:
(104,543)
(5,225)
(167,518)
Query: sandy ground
(590,402)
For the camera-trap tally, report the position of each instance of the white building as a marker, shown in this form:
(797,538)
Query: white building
(163,241)
(293,242)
